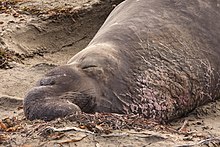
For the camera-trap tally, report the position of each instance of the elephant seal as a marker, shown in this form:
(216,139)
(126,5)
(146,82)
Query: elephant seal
(156,58)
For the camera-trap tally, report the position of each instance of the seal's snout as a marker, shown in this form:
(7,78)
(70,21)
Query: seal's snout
(42,103)
(58,94)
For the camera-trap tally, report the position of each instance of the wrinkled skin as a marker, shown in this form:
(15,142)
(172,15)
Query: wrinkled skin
(157,58)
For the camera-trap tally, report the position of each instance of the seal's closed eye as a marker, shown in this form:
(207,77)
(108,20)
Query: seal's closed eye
(93,71)
(88,66)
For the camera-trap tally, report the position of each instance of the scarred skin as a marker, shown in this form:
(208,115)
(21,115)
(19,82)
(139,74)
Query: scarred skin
(157,58)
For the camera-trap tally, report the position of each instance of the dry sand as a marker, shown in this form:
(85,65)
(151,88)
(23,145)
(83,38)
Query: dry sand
(47,33)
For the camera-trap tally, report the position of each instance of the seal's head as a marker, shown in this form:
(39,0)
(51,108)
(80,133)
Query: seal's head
(81,85)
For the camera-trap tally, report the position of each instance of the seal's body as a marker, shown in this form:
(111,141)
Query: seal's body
(159,58)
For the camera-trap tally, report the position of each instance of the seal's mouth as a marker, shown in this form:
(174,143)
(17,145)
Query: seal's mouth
(85,101)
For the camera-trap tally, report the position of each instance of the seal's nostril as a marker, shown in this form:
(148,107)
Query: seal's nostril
(47,81)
